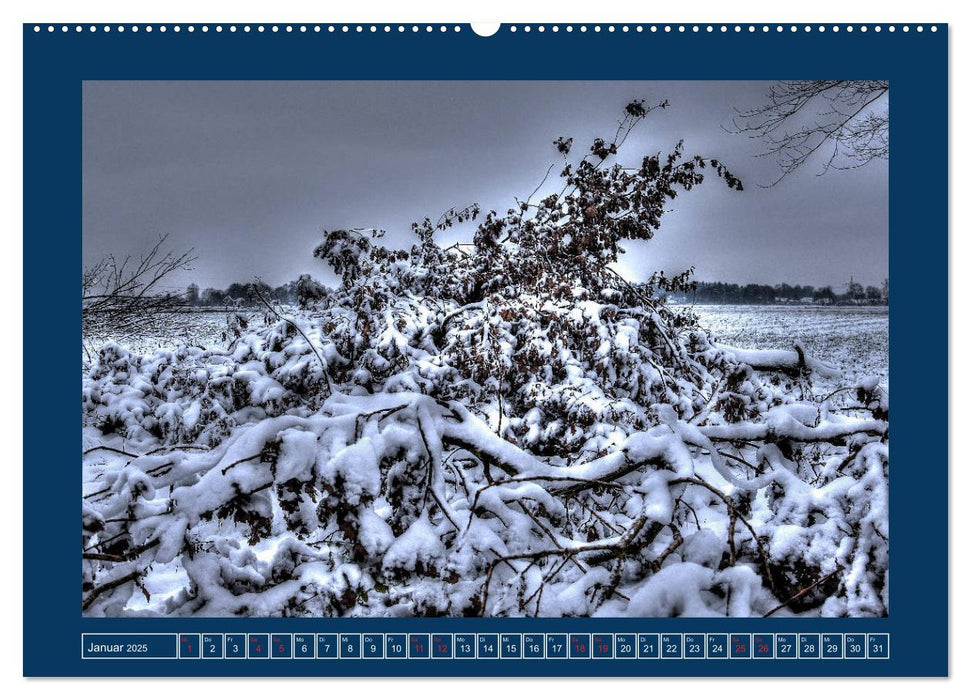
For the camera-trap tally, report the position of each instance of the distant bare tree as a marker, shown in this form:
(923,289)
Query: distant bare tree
(846,120)
(125,296)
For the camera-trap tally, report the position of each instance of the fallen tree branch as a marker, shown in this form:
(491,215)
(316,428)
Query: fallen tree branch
(789,361)
(791,429)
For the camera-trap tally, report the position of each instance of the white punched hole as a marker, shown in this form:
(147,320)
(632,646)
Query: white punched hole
(485,28)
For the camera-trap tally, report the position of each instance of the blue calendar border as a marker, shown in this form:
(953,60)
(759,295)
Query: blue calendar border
(56,63)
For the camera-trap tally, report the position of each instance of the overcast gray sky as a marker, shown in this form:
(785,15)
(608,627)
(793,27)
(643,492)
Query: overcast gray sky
(249,173)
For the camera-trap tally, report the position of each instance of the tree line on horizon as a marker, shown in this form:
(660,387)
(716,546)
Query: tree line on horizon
(242,293)
(853,293)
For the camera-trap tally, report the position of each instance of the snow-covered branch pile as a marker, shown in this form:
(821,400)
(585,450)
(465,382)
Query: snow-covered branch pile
(513,430)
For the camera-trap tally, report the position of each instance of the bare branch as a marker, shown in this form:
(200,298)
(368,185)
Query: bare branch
(801,117)
(122,296)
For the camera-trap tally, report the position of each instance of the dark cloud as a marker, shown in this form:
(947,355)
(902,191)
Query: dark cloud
(248,173)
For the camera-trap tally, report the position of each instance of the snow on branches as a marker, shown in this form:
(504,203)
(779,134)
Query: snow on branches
(508,428)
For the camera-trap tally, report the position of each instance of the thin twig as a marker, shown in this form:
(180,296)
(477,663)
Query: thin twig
(796,596)
(323,364)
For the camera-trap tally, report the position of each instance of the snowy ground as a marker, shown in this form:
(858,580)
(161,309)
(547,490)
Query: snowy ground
(197,327)
(855,339)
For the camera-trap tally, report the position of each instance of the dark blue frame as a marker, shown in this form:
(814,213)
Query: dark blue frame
(55,64)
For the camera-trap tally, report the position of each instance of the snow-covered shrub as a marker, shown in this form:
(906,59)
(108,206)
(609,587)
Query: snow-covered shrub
(506,428)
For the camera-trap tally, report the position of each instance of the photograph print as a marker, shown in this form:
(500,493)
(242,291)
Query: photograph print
(488,349)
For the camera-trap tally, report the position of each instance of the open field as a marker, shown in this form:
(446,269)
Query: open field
(201,327)
(855,338)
